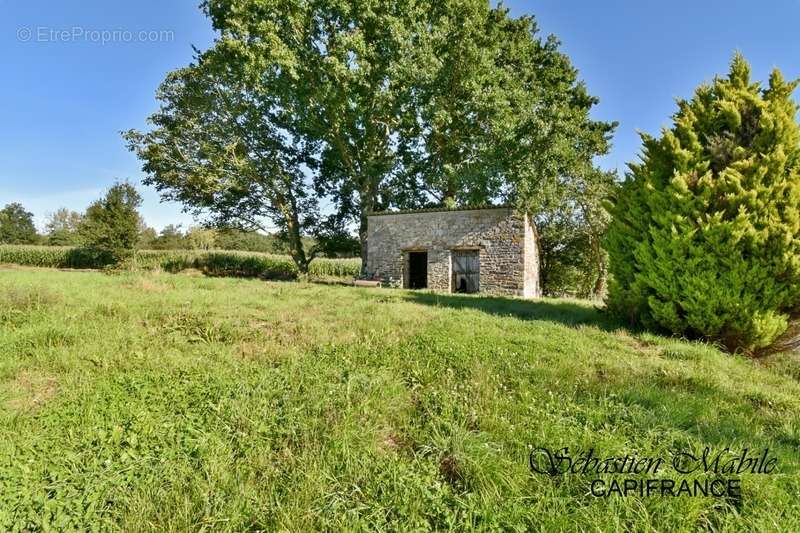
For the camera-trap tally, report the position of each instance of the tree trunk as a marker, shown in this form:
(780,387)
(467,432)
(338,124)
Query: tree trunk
(367,205)
(295,239)
(296,247)
(449,196)
(602,272)
(362,235)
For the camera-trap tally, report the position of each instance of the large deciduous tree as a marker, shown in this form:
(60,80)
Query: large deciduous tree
(220,145)
(16,225)
(497,114)
(705,239)
(111,224)
(336,72)
(62,227)
(375,104)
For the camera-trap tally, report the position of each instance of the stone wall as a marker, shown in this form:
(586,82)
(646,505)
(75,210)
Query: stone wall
(505,240)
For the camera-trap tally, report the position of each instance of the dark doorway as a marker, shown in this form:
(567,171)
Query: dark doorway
(417,270)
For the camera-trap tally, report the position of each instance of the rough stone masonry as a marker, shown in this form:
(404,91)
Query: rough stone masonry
(502,238)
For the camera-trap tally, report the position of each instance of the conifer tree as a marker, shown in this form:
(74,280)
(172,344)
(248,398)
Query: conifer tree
(705,237)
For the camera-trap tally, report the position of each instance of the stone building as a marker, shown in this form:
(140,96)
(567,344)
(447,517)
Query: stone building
(488,250)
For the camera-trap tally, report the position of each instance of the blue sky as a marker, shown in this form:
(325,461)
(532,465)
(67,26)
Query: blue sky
(66,93)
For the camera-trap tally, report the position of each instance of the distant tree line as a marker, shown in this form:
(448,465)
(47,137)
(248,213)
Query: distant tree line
(113,225)
(174,237)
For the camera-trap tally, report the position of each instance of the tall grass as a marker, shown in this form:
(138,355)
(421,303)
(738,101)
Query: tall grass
(147,401)
(213,263)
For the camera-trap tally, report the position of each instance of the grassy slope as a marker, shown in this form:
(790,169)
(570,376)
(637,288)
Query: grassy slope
(152,401)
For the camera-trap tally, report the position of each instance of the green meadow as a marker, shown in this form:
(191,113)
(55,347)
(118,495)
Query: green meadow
(153,401)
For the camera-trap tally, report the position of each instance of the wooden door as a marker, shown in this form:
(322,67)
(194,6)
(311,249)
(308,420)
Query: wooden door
(466,271)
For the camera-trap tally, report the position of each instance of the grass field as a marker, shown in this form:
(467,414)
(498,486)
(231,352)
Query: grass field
(159,401)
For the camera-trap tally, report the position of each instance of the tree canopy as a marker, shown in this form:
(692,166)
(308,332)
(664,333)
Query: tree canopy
(112,223)
(571,232)
(362,106)
(16,225)
(62,227)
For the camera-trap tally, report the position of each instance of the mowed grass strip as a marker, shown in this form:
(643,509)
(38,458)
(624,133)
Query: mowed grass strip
(157,401)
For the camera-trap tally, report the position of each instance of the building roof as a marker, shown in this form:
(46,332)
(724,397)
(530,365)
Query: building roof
(440,209)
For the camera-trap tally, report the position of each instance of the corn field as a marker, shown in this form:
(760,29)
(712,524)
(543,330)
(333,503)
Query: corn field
(213,263)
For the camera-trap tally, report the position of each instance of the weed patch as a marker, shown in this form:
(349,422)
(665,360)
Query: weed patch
(29,390)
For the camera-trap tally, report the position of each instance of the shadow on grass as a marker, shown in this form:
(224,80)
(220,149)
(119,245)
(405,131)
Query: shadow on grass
(331,281)
(560,311)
